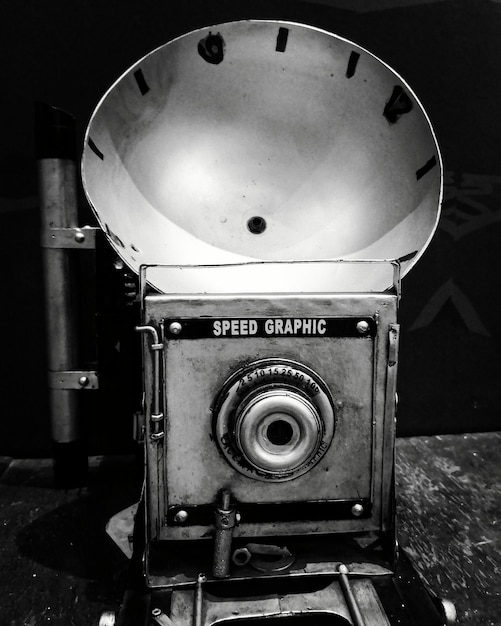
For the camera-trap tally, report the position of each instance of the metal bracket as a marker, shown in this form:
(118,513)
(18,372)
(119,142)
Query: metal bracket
(73,379)
(71,237)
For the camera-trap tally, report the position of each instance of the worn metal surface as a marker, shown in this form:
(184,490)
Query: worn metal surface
(188,468)
(327,602)
(292,143)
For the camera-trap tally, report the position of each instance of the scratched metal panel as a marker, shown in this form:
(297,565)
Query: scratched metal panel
(188,468)
(196,470)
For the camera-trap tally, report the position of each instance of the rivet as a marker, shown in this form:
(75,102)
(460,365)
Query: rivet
(83,381)
(181,516)
(175,328)
(363,327)
(79,237)
(156,612)
(357,510)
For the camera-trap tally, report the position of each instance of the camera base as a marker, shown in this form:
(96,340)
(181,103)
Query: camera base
(400,597)
(372,590)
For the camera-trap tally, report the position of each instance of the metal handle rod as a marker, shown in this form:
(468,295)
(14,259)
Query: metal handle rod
(351,601)
(198,601)
(156,415)
(225,520)
(156,364)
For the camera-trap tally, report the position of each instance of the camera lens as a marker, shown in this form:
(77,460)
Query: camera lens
(279,432)
(274,420)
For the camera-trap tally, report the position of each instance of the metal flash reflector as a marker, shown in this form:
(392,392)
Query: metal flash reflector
(263,141)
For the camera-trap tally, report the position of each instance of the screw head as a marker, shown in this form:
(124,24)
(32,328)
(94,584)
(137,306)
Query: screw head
(357,510)
(181,516)
(363,327)
(175,328)
(79,236)
(83,381)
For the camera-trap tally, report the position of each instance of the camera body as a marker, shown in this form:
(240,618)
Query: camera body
(285,401)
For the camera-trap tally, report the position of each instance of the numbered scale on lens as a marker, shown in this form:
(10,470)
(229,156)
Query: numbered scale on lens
(274,420)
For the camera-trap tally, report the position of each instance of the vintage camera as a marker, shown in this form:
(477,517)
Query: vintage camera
(270,182)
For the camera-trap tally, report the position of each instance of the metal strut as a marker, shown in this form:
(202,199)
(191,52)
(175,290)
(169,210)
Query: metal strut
(349,596)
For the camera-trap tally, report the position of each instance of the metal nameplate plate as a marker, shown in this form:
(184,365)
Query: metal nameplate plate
(252,513)
(227,328)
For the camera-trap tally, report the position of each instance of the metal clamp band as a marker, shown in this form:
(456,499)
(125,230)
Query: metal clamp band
(71,237)
(73,379)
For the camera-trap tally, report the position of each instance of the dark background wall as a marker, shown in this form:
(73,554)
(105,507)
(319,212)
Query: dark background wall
(68,53)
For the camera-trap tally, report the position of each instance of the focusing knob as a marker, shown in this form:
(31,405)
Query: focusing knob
(274,420)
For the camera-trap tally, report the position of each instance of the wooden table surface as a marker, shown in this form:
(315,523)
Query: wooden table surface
(449,516)
(59,567)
